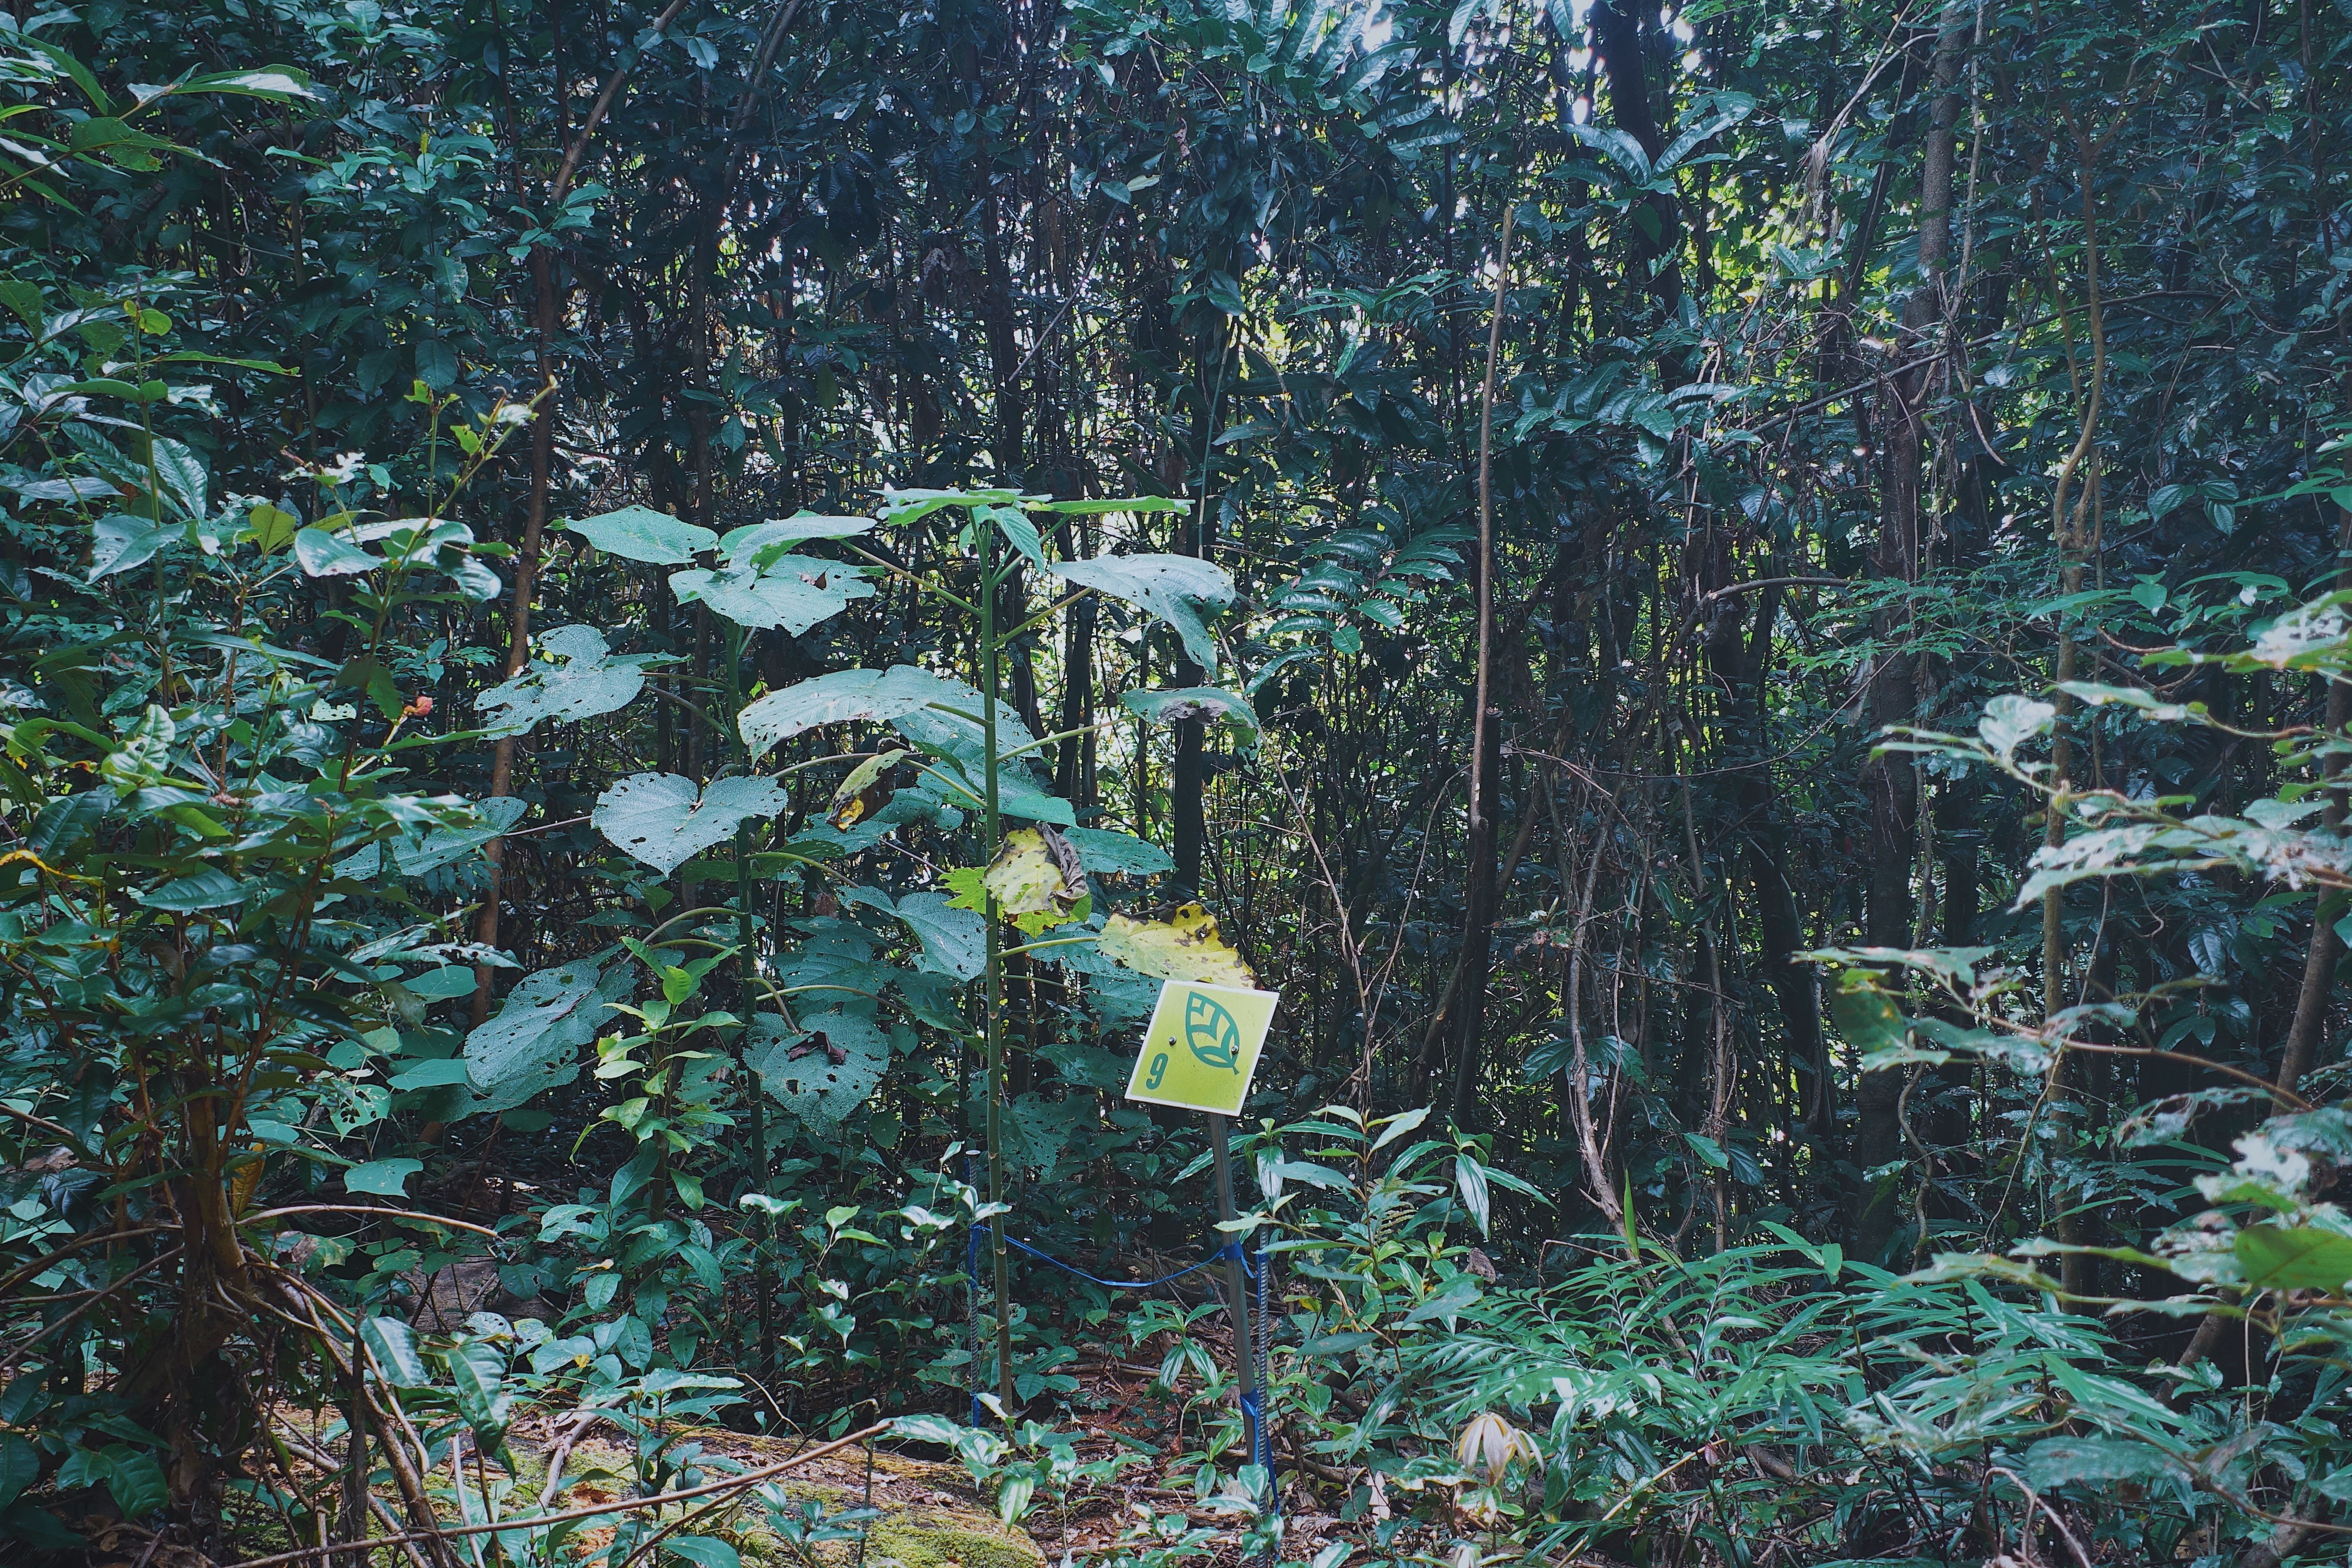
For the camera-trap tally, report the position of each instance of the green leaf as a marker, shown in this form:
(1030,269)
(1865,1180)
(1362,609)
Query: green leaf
(791,597)
(119,544)
(1869,1021)
(207,889)
(905,506)
(579,678)
(320,554)
(955,941)
(813,1084)
(2055,1461)
(703,1550)
(184,475)
(136,1482)
(20,1465)
(533,1042)
(438,1073)
(1172,588)
(2010,721)
(1460,1293)
(1470,1181)
(746,545)
(483,1402)
(2283,1257)
(1208,702)
(1121,503)
(848,694)
(384,1178)
(277,83)
(393,1345)
(641,533)
(663,821)
(1326,1346)
(1118,854)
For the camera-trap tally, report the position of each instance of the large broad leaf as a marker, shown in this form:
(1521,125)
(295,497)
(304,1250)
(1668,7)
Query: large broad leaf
(955,941)
(1101,850)
(2010,721)
(2283,1257)
(845,695)
(1174,588)
(1208,702)
(418,853)
(383,1178)
(827,1068)
(2054,1461)
(392,1343)
(484,1401)
(535,1040)
(576,677)
(660,818)
(791,595)
(905,506)
(641,533)
(1184,946)
(746,545)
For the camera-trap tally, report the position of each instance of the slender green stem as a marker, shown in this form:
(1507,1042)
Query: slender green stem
(990,648)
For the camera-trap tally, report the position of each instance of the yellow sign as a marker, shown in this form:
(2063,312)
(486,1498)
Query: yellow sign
(1202,1047)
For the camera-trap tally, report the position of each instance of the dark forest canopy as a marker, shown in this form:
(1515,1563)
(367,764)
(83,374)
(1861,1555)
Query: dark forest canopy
(631,639)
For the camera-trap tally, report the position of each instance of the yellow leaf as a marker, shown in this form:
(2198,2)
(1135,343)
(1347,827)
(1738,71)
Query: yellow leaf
(1026,878)
(1185,946)
(865,791)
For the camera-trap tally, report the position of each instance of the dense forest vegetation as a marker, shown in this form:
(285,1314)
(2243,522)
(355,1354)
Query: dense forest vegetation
(632,634)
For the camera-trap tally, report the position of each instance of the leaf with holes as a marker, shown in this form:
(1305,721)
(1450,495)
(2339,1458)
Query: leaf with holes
(955,941)
(791,596)
(823,1070)
(1184,946)
(534,1041)
(575,675)
(1172,588)
(660,818)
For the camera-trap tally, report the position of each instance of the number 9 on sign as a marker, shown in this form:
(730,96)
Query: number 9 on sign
(1201,1047)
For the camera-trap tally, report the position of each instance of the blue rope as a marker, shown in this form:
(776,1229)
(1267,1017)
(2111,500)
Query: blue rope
(1229,1251)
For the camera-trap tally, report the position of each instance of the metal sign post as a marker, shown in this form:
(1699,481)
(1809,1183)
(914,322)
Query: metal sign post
(1237,1291)
(1198,1053)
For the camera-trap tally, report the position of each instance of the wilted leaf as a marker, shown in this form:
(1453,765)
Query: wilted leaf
(1185,946)
(865,791)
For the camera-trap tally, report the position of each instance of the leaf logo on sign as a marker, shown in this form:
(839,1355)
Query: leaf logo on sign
(1211,1032)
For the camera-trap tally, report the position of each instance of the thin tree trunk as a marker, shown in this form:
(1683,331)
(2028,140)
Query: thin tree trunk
(1890,779)
(1486,735)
